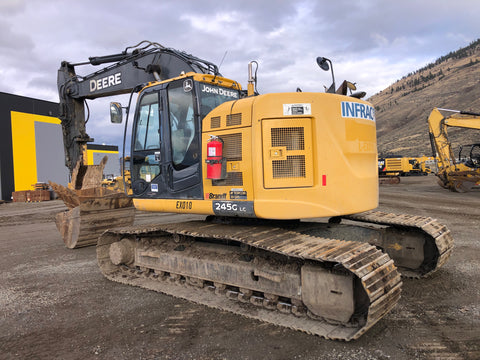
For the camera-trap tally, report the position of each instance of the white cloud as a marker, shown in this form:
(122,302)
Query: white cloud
(371,42)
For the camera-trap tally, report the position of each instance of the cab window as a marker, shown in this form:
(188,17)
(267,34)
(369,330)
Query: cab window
(147,136)
(183,130)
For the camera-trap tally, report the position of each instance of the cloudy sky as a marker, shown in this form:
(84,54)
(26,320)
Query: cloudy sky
(371,42)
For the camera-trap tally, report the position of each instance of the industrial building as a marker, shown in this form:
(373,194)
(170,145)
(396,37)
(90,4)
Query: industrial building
(95,154)
(31,146)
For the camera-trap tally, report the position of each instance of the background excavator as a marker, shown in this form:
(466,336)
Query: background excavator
(254,165)
(462,173)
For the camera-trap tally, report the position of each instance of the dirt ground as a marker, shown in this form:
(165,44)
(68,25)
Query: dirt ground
(55,304)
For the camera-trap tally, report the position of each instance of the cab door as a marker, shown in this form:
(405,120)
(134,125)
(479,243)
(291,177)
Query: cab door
(184,126)
(146,147)
(166,143)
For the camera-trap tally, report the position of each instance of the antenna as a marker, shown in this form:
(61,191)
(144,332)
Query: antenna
(221,62)
(218,69)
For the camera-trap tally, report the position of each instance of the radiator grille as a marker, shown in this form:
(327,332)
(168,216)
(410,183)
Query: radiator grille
(293,167)
(234,119)
(287,153)
(394,164)
(232,151)
(232,147)
(215,122)
(292,138)
(233,179)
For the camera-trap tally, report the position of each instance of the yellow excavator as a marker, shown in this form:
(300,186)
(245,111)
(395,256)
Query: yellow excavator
(260,168)
(120,183)
(456,175)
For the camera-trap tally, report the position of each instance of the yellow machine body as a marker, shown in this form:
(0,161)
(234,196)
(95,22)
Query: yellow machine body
(403,166)
(288,156)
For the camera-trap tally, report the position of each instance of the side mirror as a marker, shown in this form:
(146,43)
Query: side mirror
(116,115)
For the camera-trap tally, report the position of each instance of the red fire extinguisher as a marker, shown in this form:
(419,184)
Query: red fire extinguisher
(216,163)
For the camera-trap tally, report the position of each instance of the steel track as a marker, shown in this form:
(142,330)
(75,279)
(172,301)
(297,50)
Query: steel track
(377,274)
(437,236)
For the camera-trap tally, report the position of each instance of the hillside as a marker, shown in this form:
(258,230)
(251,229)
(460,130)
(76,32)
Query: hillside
(402,109)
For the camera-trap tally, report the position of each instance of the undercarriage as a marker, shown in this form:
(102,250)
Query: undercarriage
(329,279)
(327,287)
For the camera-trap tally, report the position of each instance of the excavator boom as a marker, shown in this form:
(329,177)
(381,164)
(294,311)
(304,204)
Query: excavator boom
(133,67)
(131,70)
(453,175)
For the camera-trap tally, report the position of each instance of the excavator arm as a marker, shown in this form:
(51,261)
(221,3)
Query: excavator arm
(452,175)
(140,64)
(128,71)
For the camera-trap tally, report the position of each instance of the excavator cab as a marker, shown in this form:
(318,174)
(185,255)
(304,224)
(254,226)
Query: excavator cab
(470,155)
(166,136)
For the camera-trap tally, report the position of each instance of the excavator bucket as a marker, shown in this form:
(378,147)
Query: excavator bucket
(92,209)
(88,176)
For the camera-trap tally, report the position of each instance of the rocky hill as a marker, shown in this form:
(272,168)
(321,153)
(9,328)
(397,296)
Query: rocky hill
(402,109)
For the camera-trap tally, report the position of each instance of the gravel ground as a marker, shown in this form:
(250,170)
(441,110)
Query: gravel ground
(55,304)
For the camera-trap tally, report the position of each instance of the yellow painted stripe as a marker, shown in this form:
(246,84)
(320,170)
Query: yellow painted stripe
(24,147)
(91,152)
(175,206)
